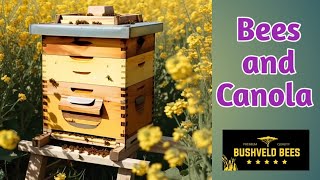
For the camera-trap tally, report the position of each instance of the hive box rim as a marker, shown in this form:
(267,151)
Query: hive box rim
(125,31)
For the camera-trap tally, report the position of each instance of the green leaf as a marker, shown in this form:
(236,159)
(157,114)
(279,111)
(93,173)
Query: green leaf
(184,172)
(173,174)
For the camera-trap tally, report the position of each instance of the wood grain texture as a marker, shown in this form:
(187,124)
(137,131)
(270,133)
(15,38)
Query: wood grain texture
(94,109)
(41,140)
(85,140)
(128,18)
(58,152)
(120,116)
(139,68)
(120,153)
(37,166)
(125,174)
(139,116)
(83,41)
(140,45)
(108,125)
(98,47)
(105,20)
(107,93)
(99,71)
(100,10)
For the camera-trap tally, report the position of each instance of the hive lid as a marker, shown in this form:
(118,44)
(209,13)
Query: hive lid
(125,31)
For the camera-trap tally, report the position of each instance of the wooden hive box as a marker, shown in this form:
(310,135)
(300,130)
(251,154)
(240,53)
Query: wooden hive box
(97,79)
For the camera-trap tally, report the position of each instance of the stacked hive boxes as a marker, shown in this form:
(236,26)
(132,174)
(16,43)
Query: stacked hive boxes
(97,79)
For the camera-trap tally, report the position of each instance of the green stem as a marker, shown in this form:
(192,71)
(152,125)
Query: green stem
(10,109)
(177,121)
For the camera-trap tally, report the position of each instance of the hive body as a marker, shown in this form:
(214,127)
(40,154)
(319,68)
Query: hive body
(97,86)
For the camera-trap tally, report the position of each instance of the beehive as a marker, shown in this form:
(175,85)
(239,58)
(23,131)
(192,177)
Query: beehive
(97,79)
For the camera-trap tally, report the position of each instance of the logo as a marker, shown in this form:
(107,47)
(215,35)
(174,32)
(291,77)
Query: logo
(265,150)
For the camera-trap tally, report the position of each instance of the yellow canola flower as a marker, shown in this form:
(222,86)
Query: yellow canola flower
(175,107)
(199,29)
(186,124)
(163,55)
(160,47)
(39,46)
(149,136)
(203,139)
(22,97)
(60,176)
(24,36)
(9,139)
(6,79)
(178,134)
(22,9)
(11,29)
(194,40)
(141,168)
(166,145)
(175,157)
(179,67)
(155,173)
(181,70)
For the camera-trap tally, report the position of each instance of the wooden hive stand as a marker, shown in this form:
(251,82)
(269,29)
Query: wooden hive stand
(39,156)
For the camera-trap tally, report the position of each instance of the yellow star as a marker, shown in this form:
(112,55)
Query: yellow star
(257,161)
(266,161)
(275,162)
(284,162)
(249,161)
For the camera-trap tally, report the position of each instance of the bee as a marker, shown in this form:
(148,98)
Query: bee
(107,143)
(97,22)
(80,157)
(54,82)
(109,78)
(86,139)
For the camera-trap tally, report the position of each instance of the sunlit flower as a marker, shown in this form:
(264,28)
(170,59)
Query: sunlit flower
(199,29)
(60,176)
(163,55)
(176,107)
(9,139)
(175,157)
(141,168)
(203,139)
(155,173)
(186,124)
(160,47)
(149,136)
(22,97)
(39,46)
(166,144)
(194,40)
(6,79)
(178,134)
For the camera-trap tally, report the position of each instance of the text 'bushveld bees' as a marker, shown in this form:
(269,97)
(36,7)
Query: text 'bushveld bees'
(266,152)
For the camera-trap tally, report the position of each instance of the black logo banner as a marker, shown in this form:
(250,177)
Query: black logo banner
(265,150)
